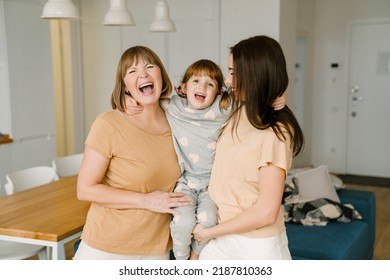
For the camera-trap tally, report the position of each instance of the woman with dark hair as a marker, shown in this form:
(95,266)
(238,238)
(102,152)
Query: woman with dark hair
(253,156)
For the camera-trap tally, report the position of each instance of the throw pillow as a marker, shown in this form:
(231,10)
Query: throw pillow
(337,182)
(315,183)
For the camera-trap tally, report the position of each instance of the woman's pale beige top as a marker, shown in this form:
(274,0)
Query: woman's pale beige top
(140,162)
(234,183)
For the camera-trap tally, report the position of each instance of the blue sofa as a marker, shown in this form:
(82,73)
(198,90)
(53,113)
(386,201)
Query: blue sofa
(337,240)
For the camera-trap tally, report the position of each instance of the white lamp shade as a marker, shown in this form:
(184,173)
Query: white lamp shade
(162,21)
(118,14)
(60,9)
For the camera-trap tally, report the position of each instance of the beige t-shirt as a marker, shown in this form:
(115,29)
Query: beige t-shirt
(141,162)
(234,183)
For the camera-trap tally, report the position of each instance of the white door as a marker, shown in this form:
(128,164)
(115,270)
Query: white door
(368,146)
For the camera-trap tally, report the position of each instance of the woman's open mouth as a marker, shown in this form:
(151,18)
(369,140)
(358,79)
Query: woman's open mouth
(146,88)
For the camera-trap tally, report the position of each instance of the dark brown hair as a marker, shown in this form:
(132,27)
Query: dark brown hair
(260,75)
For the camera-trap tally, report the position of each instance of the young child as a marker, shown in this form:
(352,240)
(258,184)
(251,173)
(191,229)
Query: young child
(196,122)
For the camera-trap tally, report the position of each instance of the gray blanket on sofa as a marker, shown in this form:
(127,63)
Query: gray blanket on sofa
(317,212)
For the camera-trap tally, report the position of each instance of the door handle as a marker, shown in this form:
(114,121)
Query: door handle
(354,89)
(357,98)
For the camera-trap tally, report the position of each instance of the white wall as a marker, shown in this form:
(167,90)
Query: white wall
(246,18)
(330,88)
(305,30)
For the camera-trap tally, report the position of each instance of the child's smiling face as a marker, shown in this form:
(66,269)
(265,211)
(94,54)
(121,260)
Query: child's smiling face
(201,91)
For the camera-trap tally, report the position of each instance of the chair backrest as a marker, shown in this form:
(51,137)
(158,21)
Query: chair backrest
(29,178)
(67,165)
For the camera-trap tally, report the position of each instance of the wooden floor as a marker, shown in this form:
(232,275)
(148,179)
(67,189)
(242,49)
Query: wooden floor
(69,249)
(382,235)
(382,238)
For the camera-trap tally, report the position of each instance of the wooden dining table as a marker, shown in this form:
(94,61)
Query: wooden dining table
(48,215)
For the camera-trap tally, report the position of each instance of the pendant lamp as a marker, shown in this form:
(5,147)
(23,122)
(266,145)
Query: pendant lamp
(60,9)
(162,22)
(118,14)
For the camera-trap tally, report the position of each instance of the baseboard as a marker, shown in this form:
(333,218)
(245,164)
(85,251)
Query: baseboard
(364,180)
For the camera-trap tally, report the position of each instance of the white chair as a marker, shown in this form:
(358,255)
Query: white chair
(10,250)
(17,181)
(28,178)
(67,165)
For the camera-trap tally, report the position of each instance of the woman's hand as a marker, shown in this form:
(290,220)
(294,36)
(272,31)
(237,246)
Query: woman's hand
(165,202)
(200,234)
(131,106)
(280,102)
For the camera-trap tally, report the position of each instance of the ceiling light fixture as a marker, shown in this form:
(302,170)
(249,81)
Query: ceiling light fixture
(118,14)
(162,22)
(60,9)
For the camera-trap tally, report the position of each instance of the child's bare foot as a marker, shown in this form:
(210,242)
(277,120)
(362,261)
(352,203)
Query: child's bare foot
(194,256)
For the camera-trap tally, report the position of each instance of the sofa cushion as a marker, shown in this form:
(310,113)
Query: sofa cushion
(315,183)
(337,182)
(336,241)
(365,203)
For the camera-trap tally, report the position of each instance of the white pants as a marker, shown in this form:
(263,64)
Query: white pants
(238,247)
(85,252)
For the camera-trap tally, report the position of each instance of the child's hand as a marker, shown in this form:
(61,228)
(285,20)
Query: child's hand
(280,102)
(131,106)
(179,91)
